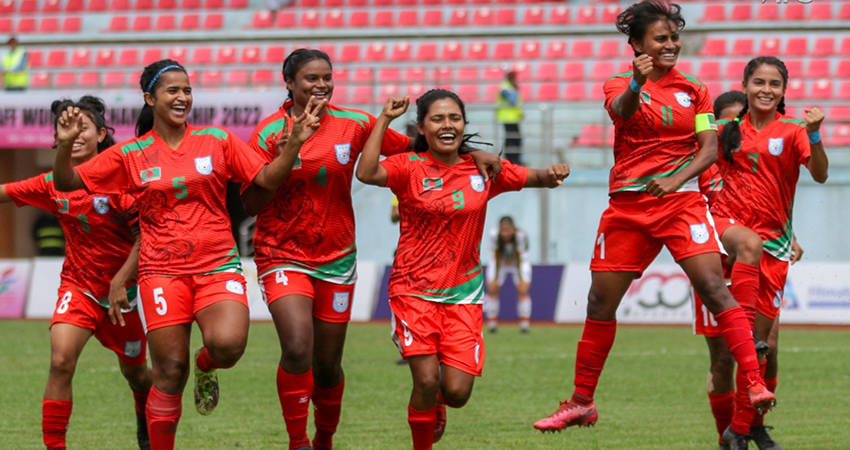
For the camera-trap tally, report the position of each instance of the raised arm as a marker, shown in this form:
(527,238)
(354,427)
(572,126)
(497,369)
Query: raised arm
(548,178)
(626,104)
(68,127)
(818,163)
(369,169)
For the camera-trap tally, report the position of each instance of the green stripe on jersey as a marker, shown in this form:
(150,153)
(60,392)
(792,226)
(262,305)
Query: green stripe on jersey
(270,129)
(360,118)
(623,75)
(639,184)
(234,264)
(132,293)
(137,146)
(780,246)
(692,79)
(794,121)
(342,271)
(48,178)
(470,292)
(214,131)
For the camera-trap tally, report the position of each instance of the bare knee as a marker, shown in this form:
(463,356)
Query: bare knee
(227,352)
(599,307)
(426,385)
(457,396)
(714,294)
(170,375)
(749,250)
(137,376)
(62,364)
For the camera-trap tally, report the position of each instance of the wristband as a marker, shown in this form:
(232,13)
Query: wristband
(814,137)
(634,86)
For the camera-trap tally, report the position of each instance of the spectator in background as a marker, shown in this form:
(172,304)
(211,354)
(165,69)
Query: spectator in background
(16,67)
(509,249)
(48,235)
(509,114)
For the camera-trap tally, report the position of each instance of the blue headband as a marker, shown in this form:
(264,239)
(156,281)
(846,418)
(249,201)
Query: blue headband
(161,71)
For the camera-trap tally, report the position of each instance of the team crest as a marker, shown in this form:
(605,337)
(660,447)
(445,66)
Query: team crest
(235,287)
(699,233)
(204,165)
(101,205)
(683,98)
(775,146)
(132,349)
(343,153)
(62,205)
(340,302)
(477,183)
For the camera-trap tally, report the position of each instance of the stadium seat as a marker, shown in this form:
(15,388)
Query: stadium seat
(735,69)
(329,49)
(741,13)
(7,7)
(143,5)
(359,19)
(263,77)
(202,55)
(190,22)
(212,78)
(843,70)
(844,90)
(426,52)
(467,73)
(362,76)
(602,70)
(533,16)
(433,18)
(262,19)
(590,136)
(309,19)
(769,46)
(104,57)
(214,22)
(237,4)
(743,47)
(190,4)
(547,71)
(714,47)
(503,50)
(114,80)
(6,25)
(415,75)
(350,53)
(794,11)
(528,50)
(839,113)
(334,19)
(795,67)
(36,58)
(452,51)
(166,5)
(129,57)
(49,25)
(478,50)
(142,23)
(548,92)
(56,58)
(65,80)
(796,90)
(586,15)
(178,53)
(408,2)
(483,17)
(28,7)
(505,17)
(575,92)
(714,13)
(340,74)
(40,80)
(376,51)
(824,46)
(408,18)
(709,70)
(818,68)
(361,95)
(389,75)
(493,73)
(610,48)
(559,15)
(238,77)
(839,135)
(844,12)
(491,92)
(51,6)
(26,25)
(382,3)
(609,14)
(387,91)
(120,5)
(767,12)
(97,5)
(285,19)
(226,55)
(442,74)
(821,11)
(582,48)
(797,46)
(523,71)
(468,93)
(574,71)
(458,17)
(81,57)
(821,89)
(89,80)
(401,51)
(556,50)
(166,22)
(151,55)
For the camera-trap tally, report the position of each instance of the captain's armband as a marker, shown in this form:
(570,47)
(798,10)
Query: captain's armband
(704,122)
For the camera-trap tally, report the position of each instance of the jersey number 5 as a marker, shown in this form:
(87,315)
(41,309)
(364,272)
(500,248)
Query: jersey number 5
(159,301)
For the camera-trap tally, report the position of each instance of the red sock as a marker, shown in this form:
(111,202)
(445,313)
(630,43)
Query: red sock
(141,399)
(723,408)
(327,405)
(744,411)
(758,420)
(294,392)
(422,424)
(745,288)
(55,415)
(739,337)
(593,348)
(163,413)
(206,362)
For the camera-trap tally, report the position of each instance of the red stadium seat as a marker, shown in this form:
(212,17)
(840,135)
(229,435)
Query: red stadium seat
(237,77)
(389,75)
(383,3)
(415,75)
(602,70)
(309,19)
(452,51)
(408,2)
(408,18)
(684,66)
(844,12)
(89,79)
(590,136)
(143,5)
(56,58)
(178,54)
(491,92)
(478,50)
(824,46)
(818,68)
(843,69)
(142,23)
(547,71)
(467,73)
(28,7)
(212,78)
(769,46)
(72,24)
(334,19)
(798,46)
(104,57)
(262,19)
(426,52)
(190,4)
(548,92)
(350,53)
(388,91)
(610,48)
(556,50)
(49,25)
(40,80)
(114,80)
(442,74)
(362,95)
(609,14)
(214,22)
(533,16)
(51,6)
(821,11)
(559,15)
(376,52)
(582,48)
(226,55)
(7,7)
(844,90)
(709,70)
(794,11)
(523,71)
(767,12)
(493,73)
(574,71)
(743,47)
(468,93)
(120,5)
(795,67)
(359,19)
(237,4)
(26,25)
(36,58)
(74,6)
(251,55)
(586,15)
(129,57)
(595,91)
(286,19)
(362,76)
(190,22)
(575,92)
(714,47)
(166,22)
(433,18)
(483,17)
(402,51)
(202,55)
(151,55)
(458,17)
(840,113)
(330,49)
(822,89)
(528,50)
(796,90)
(505,16)
(65,80)
(714,13)
(97,5)
(735,69)
(742,13)
(263,77)
(81,57)
(163,5)
(839,136)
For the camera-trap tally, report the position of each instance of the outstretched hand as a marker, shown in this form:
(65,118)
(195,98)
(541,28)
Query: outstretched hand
(69,125)
(814,119)
(395,107)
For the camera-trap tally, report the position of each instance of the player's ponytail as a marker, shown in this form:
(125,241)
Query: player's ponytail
(730,137)
(95,109)
(149,81)
(423,104)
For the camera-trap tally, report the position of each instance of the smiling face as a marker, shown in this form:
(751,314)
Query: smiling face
(85,146)
(661,42)
(765,88)
(443,126)
(172,98)
(313,78)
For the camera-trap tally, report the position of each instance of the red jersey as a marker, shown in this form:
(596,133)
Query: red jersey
(181,196)
(97,231)
(760,182)
(660,139)
(710,183)
(442,211)
(309,225)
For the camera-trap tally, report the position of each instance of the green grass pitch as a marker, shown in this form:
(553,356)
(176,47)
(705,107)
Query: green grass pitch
(651,395)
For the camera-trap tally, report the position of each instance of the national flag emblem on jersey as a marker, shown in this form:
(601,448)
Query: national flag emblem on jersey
(775,146)
(151,174)
(683,98)
(132,349)
(432,184)
(101,204)
(204,165)
(340,301)
(297,164)
(343,153)
(62,205)
(645,98)
(477,183)
(699,233)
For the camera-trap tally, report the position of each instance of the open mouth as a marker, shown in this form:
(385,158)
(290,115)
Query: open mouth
(447,138)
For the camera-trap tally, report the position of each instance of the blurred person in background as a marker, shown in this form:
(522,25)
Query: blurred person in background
(509,251)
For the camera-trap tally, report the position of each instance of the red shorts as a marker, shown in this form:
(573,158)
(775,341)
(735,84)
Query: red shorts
(704,322)
(331,302)
(78,309)
(452,332)
(636,225)
(171,301)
